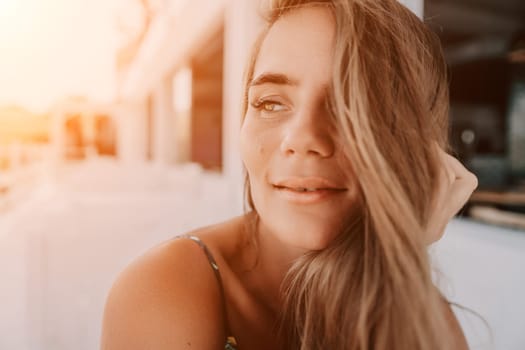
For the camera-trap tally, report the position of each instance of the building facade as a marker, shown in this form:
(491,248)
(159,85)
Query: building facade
(180,87)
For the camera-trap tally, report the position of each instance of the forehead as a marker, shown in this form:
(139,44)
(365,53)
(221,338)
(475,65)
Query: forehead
(300,45)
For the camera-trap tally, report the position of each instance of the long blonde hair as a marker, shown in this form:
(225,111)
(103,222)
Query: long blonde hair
(372,287)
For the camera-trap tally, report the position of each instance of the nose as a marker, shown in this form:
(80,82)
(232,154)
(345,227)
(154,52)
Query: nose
(308,133)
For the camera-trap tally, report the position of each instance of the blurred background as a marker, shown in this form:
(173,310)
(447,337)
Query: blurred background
(118,130)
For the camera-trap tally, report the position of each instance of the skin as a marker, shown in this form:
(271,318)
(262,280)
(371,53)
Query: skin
(455,185)
(287,137)
(169,298)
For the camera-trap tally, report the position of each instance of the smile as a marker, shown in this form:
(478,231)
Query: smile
(305,189)
(309,190)
(303,195)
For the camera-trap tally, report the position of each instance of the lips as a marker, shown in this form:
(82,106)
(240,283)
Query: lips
(307,190)
(307,184)
(301,189)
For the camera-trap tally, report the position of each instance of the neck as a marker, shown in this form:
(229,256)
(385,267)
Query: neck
(271,260)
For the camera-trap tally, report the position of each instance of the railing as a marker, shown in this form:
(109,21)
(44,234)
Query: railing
(22,166)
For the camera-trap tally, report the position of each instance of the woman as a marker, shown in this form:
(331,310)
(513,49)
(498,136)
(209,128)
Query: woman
(344,125)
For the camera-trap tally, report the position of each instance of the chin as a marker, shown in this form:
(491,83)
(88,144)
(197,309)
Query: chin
(304,235)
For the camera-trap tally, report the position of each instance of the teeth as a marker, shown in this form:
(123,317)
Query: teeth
(303,189)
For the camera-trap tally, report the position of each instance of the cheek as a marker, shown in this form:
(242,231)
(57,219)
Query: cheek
(254,149)
(247,148)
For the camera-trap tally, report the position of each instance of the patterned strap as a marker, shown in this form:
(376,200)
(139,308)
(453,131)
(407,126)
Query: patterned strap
(231,343)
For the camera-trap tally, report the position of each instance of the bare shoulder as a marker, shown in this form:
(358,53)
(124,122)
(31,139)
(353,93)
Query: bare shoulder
(167,299)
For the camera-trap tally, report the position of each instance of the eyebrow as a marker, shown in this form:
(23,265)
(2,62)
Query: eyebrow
(273,78)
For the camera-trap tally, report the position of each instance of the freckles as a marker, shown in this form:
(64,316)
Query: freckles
(260,148)
(258,156)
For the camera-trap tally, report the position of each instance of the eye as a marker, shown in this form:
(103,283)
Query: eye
(269,106)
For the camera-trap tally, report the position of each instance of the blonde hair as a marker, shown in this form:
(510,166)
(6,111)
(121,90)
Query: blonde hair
(372,287)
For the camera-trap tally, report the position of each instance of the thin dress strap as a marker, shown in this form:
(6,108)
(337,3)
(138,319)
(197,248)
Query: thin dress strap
(231,343)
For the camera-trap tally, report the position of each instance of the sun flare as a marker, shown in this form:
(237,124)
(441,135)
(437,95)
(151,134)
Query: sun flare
(8,8)
(12,14)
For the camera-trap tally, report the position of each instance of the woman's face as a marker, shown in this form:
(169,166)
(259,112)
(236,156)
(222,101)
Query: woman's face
(289,144)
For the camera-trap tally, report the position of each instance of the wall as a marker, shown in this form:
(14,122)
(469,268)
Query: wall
(483,268)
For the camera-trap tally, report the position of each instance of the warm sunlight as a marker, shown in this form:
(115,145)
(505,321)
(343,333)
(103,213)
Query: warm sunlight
(129,126)
(53,49)
(7,5)
(16,14)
